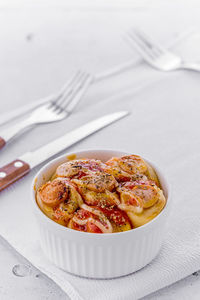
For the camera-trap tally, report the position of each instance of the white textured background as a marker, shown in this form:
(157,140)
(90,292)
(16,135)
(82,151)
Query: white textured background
(42,42)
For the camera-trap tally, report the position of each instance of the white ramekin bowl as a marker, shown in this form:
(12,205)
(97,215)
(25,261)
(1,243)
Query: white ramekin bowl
(99,255)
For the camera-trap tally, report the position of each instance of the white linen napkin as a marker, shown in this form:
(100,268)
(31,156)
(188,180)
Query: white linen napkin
(163,127)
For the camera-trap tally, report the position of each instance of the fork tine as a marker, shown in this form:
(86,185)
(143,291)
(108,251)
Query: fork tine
(67,89)
(68,95)
(145,42)
(142,48)
(78,94)
(69,82)
(73,95)
(149,41)
(63,90)
(56,106)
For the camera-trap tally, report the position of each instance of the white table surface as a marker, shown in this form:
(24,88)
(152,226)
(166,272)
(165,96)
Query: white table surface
(41,44)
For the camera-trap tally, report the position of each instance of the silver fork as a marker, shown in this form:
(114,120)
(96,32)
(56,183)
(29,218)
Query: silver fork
(156,55)
(54,111)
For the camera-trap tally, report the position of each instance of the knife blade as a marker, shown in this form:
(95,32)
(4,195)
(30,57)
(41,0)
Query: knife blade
(22,166)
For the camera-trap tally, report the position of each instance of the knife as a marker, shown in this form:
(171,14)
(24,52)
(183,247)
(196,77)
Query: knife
(29,160)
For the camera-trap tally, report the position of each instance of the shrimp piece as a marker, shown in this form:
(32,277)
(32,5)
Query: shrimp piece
(104,199)
(53,193)
(98,190)
(98,182)
(142,201)
(62,210)
(79,168)
(130,167)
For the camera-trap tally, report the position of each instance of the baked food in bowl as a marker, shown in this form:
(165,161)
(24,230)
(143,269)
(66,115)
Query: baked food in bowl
(89,195)
(91,206)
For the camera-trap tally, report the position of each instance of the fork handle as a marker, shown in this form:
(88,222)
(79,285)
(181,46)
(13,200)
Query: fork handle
(10,132)
(191,66)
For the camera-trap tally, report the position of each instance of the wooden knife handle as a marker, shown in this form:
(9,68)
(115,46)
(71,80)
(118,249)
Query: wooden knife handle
(2,142)
(12,172)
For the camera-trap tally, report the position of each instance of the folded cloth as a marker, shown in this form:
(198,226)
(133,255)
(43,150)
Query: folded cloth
(164,128)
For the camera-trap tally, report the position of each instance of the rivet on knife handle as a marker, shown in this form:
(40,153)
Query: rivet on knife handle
(2,142)
(12,172)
